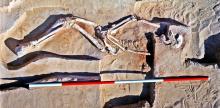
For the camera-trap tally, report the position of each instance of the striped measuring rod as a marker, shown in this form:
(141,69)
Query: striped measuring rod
(171,79)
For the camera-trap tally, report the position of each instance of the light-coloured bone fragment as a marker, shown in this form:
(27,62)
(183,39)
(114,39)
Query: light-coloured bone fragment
(86,22)
(87,35)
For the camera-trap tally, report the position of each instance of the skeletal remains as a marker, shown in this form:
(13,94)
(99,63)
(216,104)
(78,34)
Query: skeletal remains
(169,35)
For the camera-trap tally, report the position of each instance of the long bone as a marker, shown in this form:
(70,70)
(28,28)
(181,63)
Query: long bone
(42,32)
(114,28)
(114,31)
(88,36)
(121,25)
(100,46)
(57,27)
(93,40)
(164,37)
(109,47)
(124,49)
(86,22)
(107,32)
(117,23)
(130,18)
(126,21)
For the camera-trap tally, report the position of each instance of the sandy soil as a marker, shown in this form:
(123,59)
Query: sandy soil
(202,17)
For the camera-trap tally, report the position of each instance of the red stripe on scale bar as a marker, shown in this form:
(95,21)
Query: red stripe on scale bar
(171,79)
(87,83)
(185,79)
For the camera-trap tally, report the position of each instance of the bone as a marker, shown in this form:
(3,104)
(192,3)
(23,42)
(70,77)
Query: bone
(38,35)
(114,31)
(124,49)
(58,23)
(117,23)
(166,42)
(86,22)
(122,22)
(110,48)
(138,52)
(89,37)
(149,23)
(111,29)
(44,37)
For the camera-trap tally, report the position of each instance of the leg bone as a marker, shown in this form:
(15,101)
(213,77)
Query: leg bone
(86,22)
(88,36)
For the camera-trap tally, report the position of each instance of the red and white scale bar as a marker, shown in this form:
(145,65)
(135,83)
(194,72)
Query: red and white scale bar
(34,85)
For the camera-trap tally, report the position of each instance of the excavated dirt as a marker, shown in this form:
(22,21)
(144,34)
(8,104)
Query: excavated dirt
(69,56)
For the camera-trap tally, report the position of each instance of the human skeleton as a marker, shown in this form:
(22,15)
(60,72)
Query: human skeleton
(105,34)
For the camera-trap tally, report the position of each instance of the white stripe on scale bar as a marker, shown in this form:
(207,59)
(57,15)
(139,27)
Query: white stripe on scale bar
(45,85)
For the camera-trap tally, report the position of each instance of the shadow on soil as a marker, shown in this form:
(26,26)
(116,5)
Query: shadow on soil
(37,55)
(23,81)
(80,76)
(148,91)
(212,52)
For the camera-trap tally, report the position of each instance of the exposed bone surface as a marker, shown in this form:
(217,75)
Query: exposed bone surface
(92,40)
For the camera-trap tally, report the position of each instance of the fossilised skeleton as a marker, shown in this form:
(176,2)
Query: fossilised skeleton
(167,34)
